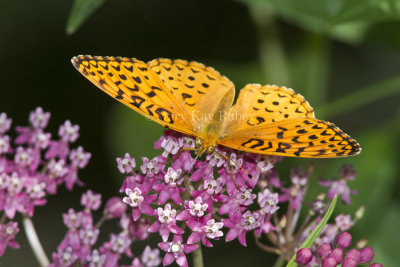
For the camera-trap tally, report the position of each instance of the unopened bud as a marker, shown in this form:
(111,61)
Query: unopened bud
(367,254)
(115,208)
(304,256)
(362,243)
(283,222)
(359,213)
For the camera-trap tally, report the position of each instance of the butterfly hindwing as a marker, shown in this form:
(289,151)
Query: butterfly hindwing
(135,84)
(276,121)
(307,137)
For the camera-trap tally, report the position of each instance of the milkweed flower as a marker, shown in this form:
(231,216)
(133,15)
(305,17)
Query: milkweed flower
(32,166)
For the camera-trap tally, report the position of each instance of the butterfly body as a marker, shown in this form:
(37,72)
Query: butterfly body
(196,100)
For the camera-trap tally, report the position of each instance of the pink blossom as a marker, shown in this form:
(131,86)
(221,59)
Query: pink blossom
(68,132)
(79,158)
(176,251)
(39,119)
(8,233)
(126,164)
(138,202)
(166,222)
(151,257)
(241,224)
(5,123)
(204,229)
(268,201)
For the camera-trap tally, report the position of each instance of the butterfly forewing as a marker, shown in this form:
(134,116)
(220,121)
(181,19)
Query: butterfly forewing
(135,84)
(201,89)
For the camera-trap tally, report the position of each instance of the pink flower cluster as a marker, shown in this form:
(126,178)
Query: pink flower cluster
(32,166)
(190,205)
(80,243)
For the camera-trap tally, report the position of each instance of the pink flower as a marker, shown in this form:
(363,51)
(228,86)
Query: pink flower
(39,119)
(151,257)
(4,144)
(138,202)
(91,200)
(176,251)
(339,186)
(344,222)
(126,164)
(115,207)
(170,188)
(241,224)
(268,201)
(79,158)
(68,132)
(150,167)
(5,123)
(64,257)
(166,222)
(95,259)
(204,229)
(8,233)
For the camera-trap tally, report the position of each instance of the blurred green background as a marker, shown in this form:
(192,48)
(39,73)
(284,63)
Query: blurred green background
(342,55)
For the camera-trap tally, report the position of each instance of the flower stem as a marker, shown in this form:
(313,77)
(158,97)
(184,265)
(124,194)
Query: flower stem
(272,54)
(198,257)
(35,242)
(280,261)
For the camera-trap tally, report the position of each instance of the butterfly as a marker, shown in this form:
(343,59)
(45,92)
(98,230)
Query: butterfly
(196,100)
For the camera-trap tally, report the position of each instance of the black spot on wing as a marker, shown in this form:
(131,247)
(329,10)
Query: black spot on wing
(282,147)
(120,94)
(137,79)
(137,101)
(253,143)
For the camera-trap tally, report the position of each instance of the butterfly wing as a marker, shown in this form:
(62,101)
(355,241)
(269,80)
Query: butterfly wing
(135,84)
(276,121)
(202,90)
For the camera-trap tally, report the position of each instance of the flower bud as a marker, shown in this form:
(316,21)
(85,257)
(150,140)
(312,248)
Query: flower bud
(324,250)
(354,254)
(362,243)
(304,256)
(349,262)
(367,254)
(343,240)
(115,208)
(329,262)
(375,265)
(359,213)
(282,222)
(337,254)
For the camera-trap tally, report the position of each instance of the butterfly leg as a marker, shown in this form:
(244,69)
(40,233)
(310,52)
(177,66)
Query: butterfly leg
(229,160)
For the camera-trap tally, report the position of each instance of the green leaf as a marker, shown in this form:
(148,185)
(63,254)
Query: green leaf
(347,20)
(80,11)
(315,233)
(360,98)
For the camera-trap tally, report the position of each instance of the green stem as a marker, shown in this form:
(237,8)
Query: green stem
(271,51)
(198,257)
(34,242)
(360,98)
(280,261)
(316,64)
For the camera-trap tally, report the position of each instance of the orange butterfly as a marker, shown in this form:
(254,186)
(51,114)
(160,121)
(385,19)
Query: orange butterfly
(196,100)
